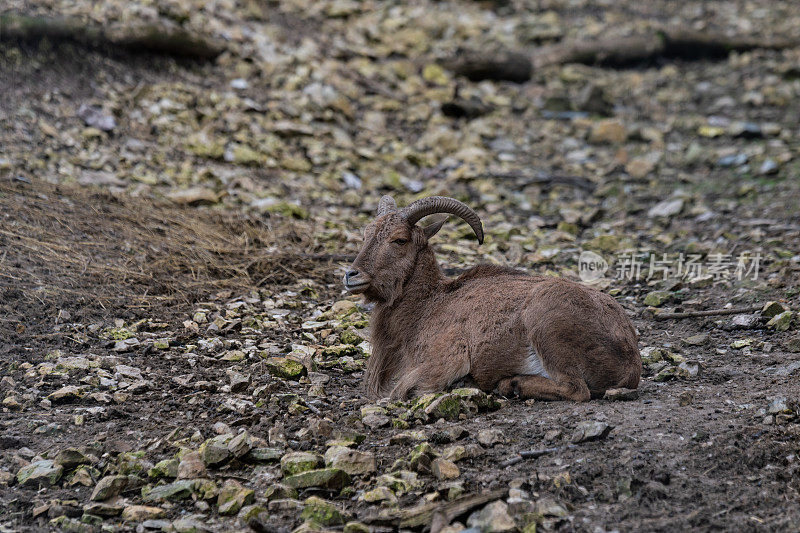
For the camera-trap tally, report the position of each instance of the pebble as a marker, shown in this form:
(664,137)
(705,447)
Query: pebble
(591,430)
(493,518)
(490,437)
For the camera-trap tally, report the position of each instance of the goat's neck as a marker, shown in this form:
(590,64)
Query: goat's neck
(399,318)
(425,280)
(395,323)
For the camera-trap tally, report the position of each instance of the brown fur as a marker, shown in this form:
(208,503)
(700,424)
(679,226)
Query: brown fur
(428,331)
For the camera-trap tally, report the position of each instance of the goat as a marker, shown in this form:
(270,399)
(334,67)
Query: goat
(526,336)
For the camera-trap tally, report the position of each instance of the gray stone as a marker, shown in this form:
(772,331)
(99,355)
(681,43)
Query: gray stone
(490,437)
(178,490)
(591,430)
(296,462)
(493,518)
(621,395)
(108,487)
(327,478)
(191,466)
(40,473)
(351,461)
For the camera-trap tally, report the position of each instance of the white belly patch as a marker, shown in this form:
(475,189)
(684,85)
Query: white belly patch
(533,365)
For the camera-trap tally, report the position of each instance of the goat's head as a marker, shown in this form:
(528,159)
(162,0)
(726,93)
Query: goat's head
(393,243)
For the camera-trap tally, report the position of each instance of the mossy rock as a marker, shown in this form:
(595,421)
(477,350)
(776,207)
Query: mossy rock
(326,478)
(296,462)
(322,512)
(285,368)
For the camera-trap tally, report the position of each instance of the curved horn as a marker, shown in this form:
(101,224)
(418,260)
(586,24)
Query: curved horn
(442,204)
(386,205)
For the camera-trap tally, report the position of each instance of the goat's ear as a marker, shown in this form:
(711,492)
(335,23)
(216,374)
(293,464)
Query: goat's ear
(434,228)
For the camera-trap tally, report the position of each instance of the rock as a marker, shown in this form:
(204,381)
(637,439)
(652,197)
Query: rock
(321,512)
(741,343)
(640,168)
(591,430)
(769,166)
(778,405)
(550,507)
(178,490)
(296,462)
(71,525)
(240,445)
(215,451)
(279,491)
(493,518)
(621,395)
(194,196)
(781,322)
(71,458)
(454,453)
(239,382)
(355,527)
(140,513)
(696,340)
(342,308)
(285,367)
(190,524)
(43,473)
(165,468)
(264,455)
(447,406)
(666,208)
(351,461)
(379,494)
(66,394)
(285,506)
(609,131)
(657,298)
(772,309)
(232,497)
(108,487)
(251,512)
(12,403)
(733,160)
(688,370)
(593,99)
(490,437)
(191,466)
(793,345)
(745,321)
(374,416)
(94,117)
(401,482)
(443,469)
(420,458)
(104,509)
(327,478)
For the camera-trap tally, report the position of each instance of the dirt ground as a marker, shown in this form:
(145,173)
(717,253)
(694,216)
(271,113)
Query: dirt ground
(172,283)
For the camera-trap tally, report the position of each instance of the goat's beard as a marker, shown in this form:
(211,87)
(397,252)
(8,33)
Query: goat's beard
(384,293)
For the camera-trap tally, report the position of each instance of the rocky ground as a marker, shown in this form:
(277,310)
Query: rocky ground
(176,349)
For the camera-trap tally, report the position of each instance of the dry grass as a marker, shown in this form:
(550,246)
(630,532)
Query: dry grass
(65,246)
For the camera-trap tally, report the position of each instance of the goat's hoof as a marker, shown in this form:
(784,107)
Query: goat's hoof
(509,387)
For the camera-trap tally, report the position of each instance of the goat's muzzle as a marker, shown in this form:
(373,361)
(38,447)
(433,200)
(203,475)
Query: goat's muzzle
(356,281)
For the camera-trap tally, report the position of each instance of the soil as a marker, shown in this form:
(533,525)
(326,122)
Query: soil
(699,452)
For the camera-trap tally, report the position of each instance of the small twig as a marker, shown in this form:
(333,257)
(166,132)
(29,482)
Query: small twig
(546,180)
(710,312)
(533,454)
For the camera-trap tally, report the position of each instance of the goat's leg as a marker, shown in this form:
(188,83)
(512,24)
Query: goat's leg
(541,388)
(429,378)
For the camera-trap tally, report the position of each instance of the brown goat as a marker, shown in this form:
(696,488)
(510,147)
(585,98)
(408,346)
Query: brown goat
(533,337)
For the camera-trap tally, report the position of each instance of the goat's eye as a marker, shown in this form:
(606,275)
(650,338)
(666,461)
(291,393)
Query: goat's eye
(400,241)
